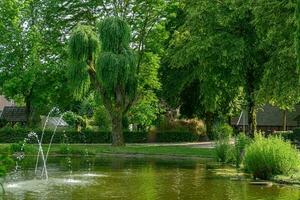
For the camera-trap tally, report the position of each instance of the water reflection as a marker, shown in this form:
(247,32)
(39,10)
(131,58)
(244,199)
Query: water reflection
(141,179)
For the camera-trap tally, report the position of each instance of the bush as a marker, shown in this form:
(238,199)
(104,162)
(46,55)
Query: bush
(268,157)
(224,151)
(290,135)
(74,120)
(296,135)
(287,135)
(101,118)
(174,136)
(195,126)
(5,161)
(222,132)
(240,144)
(11,135)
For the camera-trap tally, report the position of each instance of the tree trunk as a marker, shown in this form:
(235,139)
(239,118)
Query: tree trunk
(251,119)
(284,121)
(117,130)
(28,107)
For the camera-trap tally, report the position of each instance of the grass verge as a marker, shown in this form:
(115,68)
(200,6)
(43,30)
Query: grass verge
(182,151)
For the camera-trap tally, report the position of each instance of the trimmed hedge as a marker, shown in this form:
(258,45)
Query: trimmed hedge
(13,135)
(290,135)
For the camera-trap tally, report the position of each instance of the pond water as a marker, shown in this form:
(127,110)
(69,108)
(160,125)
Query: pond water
(138,178)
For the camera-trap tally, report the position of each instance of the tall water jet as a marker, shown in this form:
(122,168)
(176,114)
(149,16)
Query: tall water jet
(41,140)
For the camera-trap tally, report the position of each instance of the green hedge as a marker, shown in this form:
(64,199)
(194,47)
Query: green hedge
(290,135)
(10,135)
(174,136)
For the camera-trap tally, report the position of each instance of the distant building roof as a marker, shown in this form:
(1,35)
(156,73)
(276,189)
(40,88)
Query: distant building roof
(14,114)
(4,102)
(53,122)
(269,116)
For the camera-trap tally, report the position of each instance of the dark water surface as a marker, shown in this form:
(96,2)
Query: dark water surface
(138,178)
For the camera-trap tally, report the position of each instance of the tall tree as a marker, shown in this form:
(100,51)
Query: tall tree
(113,76)
(195,59)
(276,25)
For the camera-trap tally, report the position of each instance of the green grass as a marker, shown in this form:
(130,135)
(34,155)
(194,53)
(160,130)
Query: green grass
(182,151)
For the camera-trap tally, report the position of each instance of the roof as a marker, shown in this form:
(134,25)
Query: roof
(14,114)
(53,121)
(269,116)
(4,102)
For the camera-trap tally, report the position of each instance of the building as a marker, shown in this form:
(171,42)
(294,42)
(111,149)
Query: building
(53,122)
(4,102)
(14,114)
(269,119)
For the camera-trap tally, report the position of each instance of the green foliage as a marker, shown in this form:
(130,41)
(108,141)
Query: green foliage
(83,48)
(73,119)
(222,132)
(268,157)
(117,70)
(67,149)
(222,135)
(292,136)
(84,44)
(276,26)
(101,118)
(224,151)
(10,135)
(114,34)
(5,161)
(195,126)
(296,135)
(240,144)
(297,35)
(173,136)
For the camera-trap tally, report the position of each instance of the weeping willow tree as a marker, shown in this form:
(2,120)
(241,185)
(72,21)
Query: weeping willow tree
(105,61)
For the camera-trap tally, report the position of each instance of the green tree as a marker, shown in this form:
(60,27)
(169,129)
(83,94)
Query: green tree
(114,73)
(275,23)
(196,62)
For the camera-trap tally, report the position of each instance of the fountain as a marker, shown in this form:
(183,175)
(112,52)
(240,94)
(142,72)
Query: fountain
(41,181)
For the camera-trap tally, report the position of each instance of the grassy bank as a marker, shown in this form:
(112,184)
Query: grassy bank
(182,151)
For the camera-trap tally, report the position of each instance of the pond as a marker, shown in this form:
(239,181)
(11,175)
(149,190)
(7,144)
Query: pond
(138,178)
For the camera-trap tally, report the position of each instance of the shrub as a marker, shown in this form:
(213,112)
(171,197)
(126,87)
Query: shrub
(74,120)
(101,118)
(296,134)
(224,151)
(240,144)
(267,157)
(11,135)
(287,135)
(3,122)
(5,161)
(222,132)
(69,150)
(175,136)
(195,126)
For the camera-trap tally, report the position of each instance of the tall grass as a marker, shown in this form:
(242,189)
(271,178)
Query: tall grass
(223,148)
(268,157)
(240,144)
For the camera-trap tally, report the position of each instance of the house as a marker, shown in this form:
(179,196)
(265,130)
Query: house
(4,102)
(53,122)
(14,114)
(269,119)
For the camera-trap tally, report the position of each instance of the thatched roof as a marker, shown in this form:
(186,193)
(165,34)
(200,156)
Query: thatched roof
(270,116)
(14,114)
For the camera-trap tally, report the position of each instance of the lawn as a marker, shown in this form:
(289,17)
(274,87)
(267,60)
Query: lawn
(182,151)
